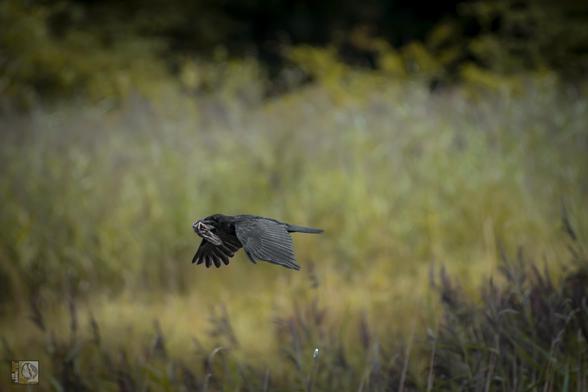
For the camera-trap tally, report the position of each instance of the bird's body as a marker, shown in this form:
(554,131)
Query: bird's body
(262,239)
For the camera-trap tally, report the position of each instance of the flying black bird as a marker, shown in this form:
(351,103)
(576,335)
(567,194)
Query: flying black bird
(262,238)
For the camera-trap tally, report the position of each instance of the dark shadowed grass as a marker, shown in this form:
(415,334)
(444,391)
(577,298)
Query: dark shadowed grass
(530,332)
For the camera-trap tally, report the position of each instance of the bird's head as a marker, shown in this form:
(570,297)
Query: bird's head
(206,228)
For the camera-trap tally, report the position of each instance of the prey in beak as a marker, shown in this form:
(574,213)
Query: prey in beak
(206,230)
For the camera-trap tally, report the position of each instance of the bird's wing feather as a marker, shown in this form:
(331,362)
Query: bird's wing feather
(210,254)
(267,240)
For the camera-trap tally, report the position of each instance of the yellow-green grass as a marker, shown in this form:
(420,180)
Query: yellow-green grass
(98,202)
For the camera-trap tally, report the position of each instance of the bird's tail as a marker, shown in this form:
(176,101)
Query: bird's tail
(302,229)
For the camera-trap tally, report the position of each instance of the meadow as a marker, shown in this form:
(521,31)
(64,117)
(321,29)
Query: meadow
(453,256)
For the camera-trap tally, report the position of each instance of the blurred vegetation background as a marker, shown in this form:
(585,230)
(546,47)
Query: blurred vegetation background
(434,144)
(109,49)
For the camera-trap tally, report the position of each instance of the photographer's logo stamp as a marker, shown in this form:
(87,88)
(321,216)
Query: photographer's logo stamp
(25,372)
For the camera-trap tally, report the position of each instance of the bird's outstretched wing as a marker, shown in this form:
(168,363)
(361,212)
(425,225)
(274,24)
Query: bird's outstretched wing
(209,254)
(264,239)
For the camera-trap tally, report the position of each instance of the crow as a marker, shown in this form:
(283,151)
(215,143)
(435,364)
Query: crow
(262,239)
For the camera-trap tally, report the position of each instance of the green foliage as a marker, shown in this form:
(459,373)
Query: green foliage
(41,64)
(529,35)
(100,51)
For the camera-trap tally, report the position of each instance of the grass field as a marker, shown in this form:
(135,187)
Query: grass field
(96,239)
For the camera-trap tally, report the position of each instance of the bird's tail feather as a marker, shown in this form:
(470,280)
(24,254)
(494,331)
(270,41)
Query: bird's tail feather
(302,229)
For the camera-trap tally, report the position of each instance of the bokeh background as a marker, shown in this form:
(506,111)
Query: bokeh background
(443,148)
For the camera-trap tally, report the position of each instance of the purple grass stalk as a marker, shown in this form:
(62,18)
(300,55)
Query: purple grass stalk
(405,365)
(431,376)
(266,380)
